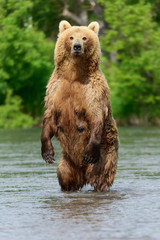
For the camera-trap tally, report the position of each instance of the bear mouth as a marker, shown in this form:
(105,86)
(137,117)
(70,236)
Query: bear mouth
(77,53)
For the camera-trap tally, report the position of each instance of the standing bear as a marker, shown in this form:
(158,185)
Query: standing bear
(78,112)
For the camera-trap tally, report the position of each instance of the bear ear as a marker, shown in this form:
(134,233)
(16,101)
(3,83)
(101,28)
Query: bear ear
(94,26)
(63,26)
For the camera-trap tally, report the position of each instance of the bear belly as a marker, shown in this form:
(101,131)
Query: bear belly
(72,127)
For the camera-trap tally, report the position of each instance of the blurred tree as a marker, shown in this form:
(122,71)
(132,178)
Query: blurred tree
(11,115)
(130,46)
(25,56)
(133,72)
(47,18)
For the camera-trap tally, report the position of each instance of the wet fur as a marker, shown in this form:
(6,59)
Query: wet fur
(78,113)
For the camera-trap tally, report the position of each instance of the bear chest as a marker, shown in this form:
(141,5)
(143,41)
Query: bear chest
(70,96)
(70,106)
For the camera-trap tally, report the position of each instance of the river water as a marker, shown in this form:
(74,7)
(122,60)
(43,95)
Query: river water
(32,206)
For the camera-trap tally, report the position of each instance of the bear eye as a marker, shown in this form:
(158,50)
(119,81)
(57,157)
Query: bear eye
(71,38)
(84,38)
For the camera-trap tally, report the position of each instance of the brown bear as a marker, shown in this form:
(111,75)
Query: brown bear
(78,112)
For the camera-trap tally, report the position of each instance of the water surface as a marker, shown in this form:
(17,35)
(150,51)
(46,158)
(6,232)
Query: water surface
(32,207)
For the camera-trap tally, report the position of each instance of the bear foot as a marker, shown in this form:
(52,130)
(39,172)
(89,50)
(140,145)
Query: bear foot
(91,154)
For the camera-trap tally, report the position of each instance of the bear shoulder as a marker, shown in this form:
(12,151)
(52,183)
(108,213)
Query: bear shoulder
(98,86)
(52,86)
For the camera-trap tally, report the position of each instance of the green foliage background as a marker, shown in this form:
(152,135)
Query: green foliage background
(134,75)
(130,43)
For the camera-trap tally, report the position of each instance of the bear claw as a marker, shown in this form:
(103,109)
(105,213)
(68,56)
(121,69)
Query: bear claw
(88,160)
(91,154)
(48,157)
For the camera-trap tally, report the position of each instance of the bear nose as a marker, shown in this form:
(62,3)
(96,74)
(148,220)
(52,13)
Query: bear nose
(77,47)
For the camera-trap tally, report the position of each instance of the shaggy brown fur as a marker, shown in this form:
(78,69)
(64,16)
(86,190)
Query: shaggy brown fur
(78,112)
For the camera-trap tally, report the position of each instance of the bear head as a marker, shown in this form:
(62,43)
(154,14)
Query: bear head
(77,43)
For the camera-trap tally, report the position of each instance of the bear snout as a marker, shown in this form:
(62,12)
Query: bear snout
(77,48)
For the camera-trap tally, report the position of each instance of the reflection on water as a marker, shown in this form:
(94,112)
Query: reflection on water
(33,207)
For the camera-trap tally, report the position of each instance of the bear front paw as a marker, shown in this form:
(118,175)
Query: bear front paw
(48,156)
(91,154)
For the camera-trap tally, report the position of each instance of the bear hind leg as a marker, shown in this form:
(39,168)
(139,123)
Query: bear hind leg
(103,172)
(70,178)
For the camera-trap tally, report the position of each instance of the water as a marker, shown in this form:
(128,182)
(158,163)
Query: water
(32,207)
